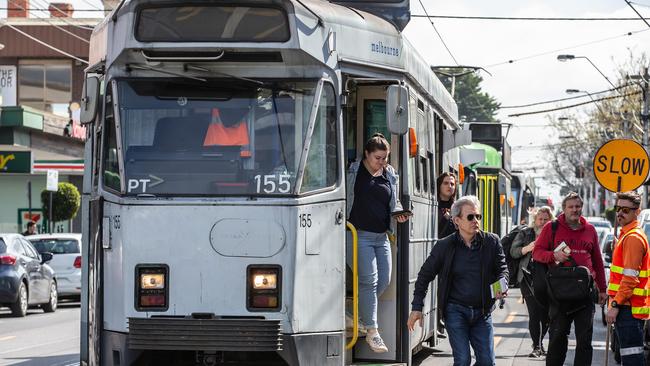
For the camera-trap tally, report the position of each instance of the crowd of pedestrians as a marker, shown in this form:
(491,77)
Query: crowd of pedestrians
(560,273)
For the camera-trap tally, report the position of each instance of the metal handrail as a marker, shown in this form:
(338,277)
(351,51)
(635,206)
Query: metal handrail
(355,287)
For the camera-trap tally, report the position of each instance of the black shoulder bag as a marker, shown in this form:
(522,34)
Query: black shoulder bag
(539,271)
(567,283)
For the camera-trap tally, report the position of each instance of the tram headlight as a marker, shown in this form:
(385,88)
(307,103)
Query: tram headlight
(264,284)
(152,287)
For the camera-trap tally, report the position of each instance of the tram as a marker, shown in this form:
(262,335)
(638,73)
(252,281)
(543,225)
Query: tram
(523,193)
(205,247)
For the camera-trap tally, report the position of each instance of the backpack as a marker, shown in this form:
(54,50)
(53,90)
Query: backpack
(513,264)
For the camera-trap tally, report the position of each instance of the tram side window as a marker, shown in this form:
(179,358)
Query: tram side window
(320,170)
(111,170)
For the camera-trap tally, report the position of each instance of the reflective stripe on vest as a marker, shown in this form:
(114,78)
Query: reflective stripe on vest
(628,272)
(640,299)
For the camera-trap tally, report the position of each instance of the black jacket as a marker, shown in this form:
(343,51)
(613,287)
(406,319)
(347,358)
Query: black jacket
(440,260)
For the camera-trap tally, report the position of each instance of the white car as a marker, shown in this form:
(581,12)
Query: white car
(66,261)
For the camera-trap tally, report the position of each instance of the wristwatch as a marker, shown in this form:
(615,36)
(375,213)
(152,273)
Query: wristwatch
(614,304)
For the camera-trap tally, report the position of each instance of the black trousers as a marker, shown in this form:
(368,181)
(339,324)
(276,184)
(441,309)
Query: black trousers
(538,320)
(562,315)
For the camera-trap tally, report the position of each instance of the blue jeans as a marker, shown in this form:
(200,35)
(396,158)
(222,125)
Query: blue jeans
(467,326)
(629,331)
(374,272)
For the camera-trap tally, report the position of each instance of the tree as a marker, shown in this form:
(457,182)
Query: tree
(617,115)
(65,202)
(474,105)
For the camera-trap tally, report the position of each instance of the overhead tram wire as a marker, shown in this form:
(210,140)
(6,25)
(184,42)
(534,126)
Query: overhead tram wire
(575,105)
(466,17)
(64,18)
(4,23)
(47,20)
(564,99)
(637,13)
(511,61)
(438,33)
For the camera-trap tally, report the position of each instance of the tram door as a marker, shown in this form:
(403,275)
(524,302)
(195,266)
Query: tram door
(489,198)
(365,115)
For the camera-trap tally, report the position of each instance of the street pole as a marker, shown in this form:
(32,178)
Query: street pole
(645,115)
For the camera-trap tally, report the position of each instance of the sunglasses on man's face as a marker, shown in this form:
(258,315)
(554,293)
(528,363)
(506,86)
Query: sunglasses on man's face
(471,217)
(625,210)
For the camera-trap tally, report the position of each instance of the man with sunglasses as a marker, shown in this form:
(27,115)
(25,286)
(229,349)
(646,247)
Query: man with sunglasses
(629,288)
(467,263)
(582,240)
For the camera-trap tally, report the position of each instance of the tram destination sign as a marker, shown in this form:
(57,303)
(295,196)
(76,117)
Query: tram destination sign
(621,165)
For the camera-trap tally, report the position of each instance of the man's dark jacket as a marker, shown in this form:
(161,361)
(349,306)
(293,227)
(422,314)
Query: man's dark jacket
(440,260)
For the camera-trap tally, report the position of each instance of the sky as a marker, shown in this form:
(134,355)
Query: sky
(491,43)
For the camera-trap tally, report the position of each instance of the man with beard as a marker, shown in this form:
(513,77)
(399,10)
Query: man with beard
(582,240)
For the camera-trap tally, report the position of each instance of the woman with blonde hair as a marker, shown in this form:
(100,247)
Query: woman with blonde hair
(522,249)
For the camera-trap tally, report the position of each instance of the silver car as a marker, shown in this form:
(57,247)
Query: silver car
(66,262)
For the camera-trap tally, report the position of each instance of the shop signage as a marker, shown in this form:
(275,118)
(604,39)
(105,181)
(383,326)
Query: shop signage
(15,161)
(8,84)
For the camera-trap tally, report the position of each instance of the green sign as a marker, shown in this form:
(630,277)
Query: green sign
(15,161)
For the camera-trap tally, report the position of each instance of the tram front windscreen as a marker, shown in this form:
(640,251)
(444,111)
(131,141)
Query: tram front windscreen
(225,137)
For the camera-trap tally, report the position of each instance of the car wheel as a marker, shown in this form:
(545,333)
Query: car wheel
(19,308)
(50,306)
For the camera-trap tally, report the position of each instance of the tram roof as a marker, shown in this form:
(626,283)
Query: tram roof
(321,33)
(491,157)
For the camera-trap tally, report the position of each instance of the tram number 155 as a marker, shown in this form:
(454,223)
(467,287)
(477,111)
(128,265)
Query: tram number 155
(273,183)
(304,220)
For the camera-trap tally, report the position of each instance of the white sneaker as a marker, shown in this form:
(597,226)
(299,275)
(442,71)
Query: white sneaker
(376,343)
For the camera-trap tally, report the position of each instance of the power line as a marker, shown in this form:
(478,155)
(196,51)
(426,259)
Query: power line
(465,17)
(563,99)
(511,61)
(637,13)
(63,19)
(574,105)
(42,9)
(56,26)
(438,33)
(43,43)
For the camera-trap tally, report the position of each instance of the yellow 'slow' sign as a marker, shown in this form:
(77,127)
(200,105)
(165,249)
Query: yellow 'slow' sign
(621,165)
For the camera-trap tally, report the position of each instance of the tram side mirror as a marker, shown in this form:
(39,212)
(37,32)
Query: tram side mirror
(89,99)
(502,185)
(397,109)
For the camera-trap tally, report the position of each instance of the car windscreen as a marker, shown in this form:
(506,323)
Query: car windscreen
(3,246)
(601,224)
(56,246)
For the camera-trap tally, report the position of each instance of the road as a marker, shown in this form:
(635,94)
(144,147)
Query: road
(53,339)
(513,343)
(40,339)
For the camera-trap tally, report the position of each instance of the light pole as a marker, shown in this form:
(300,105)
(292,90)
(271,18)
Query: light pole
(575,91)
(563,58)
(645,116)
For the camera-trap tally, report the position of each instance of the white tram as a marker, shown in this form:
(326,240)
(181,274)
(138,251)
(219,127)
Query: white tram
(203,247)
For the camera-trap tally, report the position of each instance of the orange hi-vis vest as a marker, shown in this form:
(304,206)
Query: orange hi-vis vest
(220,135)
(640,300)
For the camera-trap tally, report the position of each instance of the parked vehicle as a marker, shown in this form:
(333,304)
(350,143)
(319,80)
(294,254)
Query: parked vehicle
(603,227)
(25,277)
(66,263)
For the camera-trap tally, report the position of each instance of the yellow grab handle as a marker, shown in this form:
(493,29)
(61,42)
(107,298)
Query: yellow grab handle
(355,287)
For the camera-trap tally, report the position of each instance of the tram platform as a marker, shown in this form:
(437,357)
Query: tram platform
(512,340)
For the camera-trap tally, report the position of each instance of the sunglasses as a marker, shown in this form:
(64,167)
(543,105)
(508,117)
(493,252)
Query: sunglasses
(625,210)
(471,217)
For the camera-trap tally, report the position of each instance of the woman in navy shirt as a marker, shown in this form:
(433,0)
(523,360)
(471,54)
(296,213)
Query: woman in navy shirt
(372,193)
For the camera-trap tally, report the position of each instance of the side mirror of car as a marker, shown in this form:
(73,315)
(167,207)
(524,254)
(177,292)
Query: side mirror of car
(46,257)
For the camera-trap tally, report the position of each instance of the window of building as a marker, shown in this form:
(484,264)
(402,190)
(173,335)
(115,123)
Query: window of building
(45,85)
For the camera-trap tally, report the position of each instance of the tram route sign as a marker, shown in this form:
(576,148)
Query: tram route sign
(621,165)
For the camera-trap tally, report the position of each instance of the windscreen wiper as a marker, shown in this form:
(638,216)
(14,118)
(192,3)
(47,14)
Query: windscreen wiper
(167,72)
(262,84)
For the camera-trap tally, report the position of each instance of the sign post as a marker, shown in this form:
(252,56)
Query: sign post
(52,186)
(620,165)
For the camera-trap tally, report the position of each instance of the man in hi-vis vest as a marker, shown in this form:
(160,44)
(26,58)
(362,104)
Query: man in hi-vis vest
(629,289)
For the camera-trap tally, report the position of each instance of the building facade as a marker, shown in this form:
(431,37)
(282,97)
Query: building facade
(42,64)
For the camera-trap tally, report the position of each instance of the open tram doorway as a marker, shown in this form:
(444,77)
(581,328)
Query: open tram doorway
(364,115)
